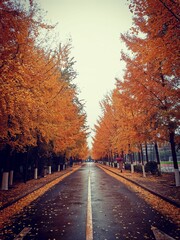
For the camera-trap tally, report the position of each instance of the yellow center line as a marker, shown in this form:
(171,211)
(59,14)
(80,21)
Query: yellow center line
(89,226)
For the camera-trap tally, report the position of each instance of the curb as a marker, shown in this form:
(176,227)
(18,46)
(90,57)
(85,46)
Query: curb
(26,194)
(174,203)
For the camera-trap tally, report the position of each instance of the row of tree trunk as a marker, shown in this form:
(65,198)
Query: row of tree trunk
(131,157)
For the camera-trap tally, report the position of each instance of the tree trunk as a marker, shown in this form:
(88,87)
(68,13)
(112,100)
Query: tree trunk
(142,158)
(49,169)
(158,159)
(111,158)
(5,175)
(132,164)
(143,170)
(133,157)
(25,168)
(58,167)
(174,157)
(147,158)
(132,168)
(44,172)
(11,174)
(117,165)
(35,173)
(5,178)
(139,157)
(36,169)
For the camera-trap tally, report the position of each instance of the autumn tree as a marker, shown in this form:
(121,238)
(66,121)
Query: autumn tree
(105,132)
(153,66)
(39,102)
(146,100)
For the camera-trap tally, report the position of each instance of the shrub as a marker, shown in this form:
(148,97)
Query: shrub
(138,168)
(127,166)
(151,167)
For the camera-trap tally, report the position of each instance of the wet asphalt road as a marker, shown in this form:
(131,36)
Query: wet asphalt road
(117,213)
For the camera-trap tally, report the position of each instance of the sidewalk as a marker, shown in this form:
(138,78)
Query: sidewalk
(22,189)
(163,185)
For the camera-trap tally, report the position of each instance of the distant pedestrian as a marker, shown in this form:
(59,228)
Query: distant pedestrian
(120,162)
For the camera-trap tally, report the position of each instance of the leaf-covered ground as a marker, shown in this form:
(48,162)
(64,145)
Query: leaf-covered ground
(163,185)
(39,186)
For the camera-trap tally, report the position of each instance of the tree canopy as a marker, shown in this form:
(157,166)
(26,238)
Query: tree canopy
(38,99)
(145,101)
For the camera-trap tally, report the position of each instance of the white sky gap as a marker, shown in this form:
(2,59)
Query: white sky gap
(95,28)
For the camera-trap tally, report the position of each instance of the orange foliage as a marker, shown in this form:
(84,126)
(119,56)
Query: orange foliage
(146,102)
(37,97)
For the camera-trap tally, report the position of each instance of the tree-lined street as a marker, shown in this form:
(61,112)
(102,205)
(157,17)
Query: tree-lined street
(63,176)
(117,212)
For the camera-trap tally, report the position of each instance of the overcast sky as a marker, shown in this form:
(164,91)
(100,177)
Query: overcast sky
(95,27)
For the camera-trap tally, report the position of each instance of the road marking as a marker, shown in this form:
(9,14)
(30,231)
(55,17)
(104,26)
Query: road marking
(23,233)
(89,226)
(160,235)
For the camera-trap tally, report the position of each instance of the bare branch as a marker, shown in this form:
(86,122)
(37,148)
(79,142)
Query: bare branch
(165,5)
